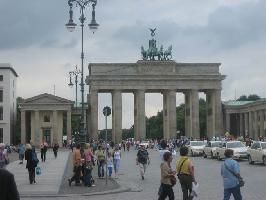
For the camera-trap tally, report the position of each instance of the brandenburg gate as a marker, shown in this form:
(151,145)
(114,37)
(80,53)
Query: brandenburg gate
(156,76)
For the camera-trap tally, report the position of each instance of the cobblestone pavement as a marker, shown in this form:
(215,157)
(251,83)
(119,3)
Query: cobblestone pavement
(207,173)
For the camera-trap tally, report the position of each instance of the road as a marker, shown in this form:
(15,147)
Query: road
(207,173)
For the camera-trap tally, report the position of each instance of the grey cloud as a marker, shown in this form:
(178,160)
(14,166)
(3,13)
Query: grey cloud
(25,23)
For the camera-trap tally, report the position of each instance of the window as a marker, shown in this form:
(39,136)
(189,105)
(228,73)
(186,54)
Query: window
(255,146)
(1,113)
(1,95)
(46,118)
(1,77)
(1,135)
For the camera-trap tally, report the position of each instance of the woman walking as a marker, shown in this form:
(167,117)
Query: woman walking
(55,149)
(3,156)
(167,174)
(230,172)
(117,158)
(100,161)
(185,172)
(32,161)
(88,166)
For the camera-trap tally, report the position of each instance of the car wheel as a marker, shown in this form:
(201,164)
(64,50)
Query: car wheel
(250,160)
(212,155)
(218,157)
(264,160)
(204,155)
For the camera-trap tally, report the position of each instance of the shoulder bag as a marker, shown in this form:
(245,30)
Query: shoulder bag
(178,174)
(240,179)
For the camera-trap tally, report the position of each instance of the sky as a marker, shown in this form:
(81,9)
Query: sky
(33,38)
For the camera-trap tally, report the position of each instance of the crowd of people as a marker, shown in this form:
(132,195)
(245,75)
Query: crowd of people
(106,158)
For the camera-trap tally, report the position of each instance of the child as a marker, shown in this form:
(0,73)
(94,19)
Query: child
(110,163)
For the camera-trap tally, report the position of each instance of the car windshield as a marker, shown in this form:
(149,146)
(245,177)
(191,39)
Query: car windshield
(216,144)
(263,145)
(197,143)
(235,145)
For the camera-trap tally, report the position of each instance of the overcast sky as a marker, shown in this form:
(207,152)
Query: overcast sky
(34,40)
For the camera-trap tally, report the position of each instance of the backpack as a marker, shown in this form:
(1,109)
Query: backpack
(34,158)
(142,157)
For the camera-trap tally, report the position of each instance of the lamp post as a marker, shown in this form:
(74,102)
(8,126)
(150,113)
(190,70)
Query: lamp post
(74,73)
(82,4)
(106,112)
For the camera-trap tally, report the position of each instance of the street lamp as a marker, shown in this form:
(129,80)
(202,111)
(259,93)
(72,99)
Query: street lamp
(74,73)
(106,112)
(82,4)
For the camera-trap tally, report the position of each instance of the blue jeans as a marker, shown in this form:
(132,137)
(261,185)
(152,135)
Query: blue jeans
(110,170)
(101,168)
(235,191)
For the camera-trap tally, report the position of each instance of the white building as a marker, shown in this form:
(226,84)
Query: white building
(8,103)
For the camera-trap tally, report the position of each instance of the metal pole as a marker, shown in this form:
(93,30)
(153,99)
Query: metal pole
(106,149)
(76,81)
(82,19)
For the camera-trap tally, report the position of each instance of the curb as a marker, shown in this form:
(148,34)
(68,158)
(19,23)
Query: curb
(119,190)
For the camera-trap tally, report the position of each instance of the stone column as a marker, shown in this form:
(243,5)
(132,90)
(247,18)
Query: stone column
(261,112)
(116,116)
(195,114)
(255,125)
(218,113)
(192,114)
(210,112)
(241,124)
(250,124)
(37,135)
(69,132)
(227,122)
(94,114)
(188,131)
(246,123)
(54,137)
(169,114)
(23,127)
(139,115)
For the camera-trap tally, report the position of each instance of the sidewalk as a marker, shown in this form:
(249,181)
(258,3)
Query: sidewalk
(48,183)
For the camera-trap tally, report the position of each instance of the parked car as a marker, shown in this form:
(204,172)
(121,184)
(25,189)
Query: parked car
(196,147)
(240,150)
(257,152)
(145,143)
(210,149)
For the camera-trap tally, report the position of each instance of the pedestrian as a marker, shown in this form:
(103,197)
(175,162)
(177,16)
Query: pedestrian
(76,166)
(230,171)
(142,160)
(117,158)
(110,164)
(167,175)
(21,152)
(163,149)
(88,156)
(3,156)
(100,161)
(32,162)
(43,147)
(185,173)
(55,149)
(8,187)
(124,145)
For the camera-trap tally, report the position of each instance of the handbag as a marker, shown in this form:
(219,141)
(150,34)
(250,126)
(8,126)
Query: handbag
(173,180)
(38,170)
(239,178)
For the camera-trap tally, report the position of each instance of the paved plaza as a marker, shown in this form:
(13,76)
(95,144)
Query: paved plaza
(207,173)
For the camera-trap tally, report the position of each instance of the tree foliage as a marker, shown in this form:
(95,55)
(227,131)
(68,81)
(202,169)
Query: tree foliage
(251,97)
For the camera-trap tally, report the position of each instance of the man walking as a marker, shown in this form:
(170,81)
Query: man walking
(21,152)
(142,160)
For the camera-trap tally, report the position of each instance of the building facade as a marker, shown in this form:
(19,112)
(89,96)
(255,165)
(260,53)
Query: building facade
(44,118)
(8,103)
(245,118)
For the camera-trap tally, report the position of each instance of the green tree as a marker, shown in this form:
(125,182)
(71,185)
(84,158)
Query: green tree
(242,98)
(253,97)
